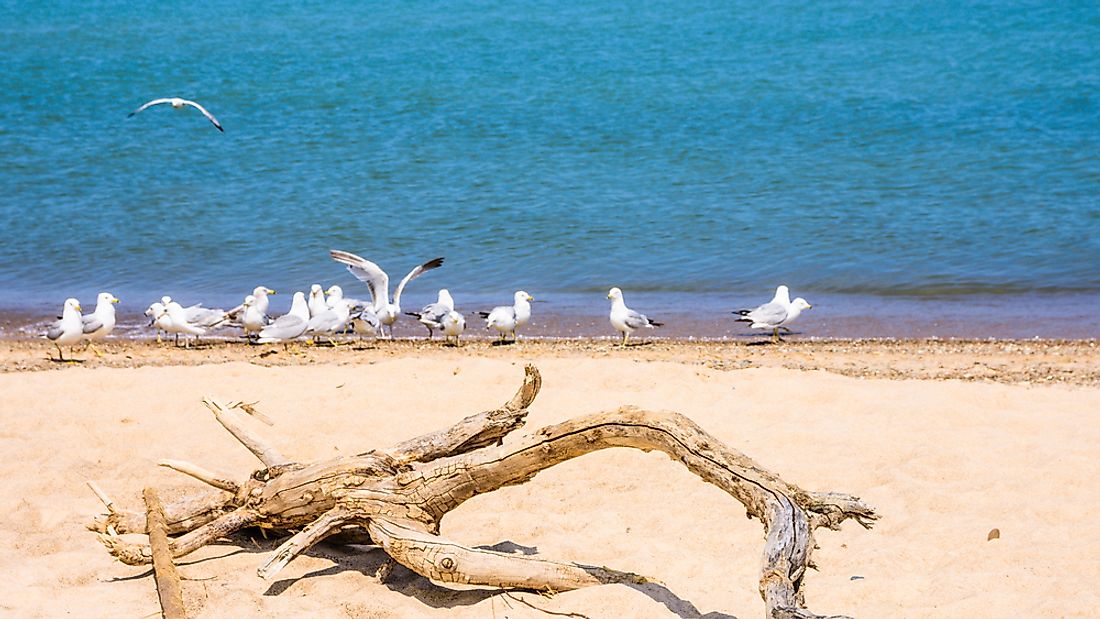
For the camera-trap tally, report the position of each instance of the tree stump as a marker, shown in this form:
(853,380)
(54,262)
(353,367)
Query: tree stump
(398,496)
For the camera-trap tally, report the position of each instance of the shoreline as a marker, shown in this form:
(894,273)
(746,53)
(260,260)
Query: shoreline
(701,317)
(1016,362)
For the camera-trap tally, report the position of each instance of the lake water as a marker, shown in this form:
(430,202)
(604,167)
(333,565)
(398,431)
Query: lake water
(911,164)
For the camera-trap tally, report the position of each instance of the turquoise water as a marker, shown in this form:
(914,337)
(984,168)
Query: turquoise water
(869,150)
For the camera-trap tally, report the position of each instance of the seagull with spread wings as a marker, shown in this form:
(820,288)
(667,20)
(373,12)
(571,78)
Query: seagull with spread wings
(379,283)
(179,104)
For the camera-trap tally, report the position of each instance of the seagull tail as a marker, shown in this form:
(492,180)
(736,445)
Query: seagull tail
(654,323)
(416,314)
(483,314)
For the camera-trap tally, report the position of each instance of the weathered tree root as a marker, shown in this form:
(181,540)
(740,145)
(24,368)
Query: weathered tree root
(397,497)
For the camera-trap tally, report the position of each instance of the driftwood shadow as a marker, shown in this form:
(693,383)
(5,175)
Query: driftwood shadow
(367,560)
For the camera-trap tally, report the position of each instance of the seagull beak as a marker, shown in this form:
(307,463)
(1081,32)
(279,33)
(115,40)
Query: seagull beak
(78,308)
(114,299)
(530,298)
(808,306)
(270,291)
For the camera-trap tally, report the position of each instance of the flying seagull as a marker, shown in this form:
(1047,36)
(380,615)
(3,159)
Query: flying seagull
(178,104)
(379,283)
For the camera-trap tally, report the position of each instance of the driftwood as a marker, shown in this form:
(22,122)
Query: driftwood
(169,589)
(398,496)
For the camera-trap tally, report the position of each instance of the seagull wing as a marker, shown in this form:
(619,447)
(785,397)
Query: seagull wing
(413,274)
(54,331)
(636,320)
(149,105)
(91,323)
(769,314)
(286,327)
(208,115)
(367,272)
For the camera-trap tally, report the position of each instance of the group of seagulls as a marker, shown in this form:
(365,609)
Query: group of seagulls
(72,327)
(327,313)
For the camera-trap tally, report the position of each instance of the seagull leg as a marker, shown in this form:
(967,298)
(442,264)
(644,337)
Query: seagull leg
(96,351)
(60,355)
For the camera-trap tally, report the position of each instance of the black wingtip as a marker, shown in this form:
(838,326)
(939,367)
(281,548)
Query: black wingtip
(483,314)
(435,263)
(412,314)
(130,114)
(656,324)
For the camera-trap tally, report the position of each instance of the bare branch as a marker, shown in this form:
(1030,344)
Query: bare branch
(257,445)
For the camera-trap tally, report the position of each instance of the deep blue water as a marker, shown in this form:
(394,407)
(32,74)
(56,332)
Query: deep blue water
(870,149)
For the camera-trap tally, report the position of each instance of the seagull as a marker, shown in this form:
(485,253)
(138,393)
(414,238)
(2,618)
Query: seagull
(365,322)
(199,316)
(316,301)
(331,321)
(379,283)
(68,330)
(178,322)
(288,326)
(179,104)
(453,325)
(626,320)
(158,319)
(774,314)
(251,318)
(506,319)
(101,322)
(335,294)
(259,293)
(431,316)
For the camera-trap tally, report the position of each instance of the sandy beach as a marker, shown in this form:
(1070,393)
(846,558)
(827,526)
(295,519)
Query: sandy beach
(947,440)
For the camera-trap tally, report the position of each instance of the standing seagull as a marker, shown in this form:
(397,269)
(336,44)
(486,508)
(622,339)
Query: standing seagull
(68,330)
(453,326)
(158,319)
(774,314)
(101,322)
(178,322)
(431,316)
(251,318)
(329,322)
(288,326)
(507,319)
(379,283)
(316,301)
(626,320)
(260,303)
(178,104)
